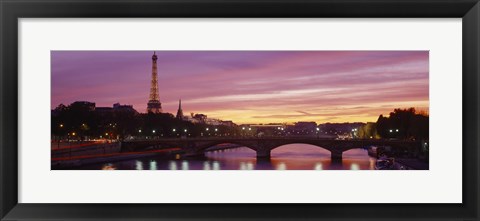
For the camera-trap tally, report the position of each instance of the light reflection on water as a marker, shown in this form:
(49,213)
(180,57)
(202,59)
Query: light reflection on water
(172,165)
(216,165)
(153,165)
(318,166)
(138,165)
(288,157)
(185,165)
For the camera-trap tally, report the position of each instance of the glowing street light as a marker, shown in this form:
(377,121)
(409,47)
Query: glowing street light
(185,130)
(206,129)
(391,130)
(61,125)
(174,130)
(153,131)
(139,131)
(396,130)
(216,129)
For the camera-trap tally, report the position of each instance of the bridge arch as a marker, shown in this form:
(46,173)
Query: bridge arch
(322,147)
(302,145)
(204,147)
(299,150)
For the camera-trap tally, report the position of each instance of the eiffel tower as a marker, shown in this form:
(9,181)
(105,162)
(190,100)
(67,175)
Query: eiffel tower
(154,105)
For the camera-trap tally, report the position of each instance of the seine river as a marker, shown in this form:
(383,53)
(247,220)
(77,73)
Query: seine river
(288,157)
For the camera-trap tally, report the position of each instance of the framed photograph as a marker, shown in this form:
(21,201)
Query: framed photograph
(269,119)
(318,110)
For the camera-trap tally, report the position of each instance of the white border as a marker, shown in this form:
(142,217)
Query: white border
(441,184)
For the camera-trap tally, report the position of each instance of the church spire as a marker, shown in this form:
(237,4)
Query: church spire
(180,111)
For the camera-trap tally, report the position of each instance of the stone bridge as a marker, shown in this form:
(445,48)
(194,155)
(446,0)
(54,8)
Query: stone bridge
(263,146)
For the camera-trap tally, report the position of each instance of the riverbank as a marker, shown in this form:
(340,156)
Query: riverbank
(77,161)
(412,164)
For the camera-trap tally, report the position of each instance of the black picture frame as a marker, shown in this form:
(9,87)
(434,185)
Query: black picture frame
(12,10)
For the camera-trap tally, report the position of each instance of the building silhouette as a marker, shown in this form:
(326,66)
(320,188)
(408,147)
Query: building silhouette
(86,105)
(154,105)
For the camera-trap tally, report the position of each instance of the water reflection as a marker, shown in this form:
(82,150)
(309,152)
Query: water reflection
(354,166)
(246,166)
(216,165)
(281,166)
(318,166)
(206,165)
(139,165)
(288,157)
(108,166)
(172,165)
(153,165)
(185,165)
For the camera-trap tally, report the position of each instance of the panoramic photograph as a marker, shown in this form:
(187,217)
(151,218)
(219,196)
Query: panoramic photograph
(239,110)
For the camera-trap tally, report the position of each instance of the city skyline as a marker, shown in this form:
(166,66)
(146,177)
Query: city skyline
(249,86)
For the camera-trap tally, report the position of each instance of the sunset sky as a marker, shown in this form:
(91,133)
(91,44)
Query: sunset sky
(249,86)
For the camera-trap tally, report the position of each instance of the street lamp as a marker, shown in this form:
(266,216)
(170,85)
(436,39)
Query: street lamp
(139,131)
(174,130)
(153,131)
(353,133)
